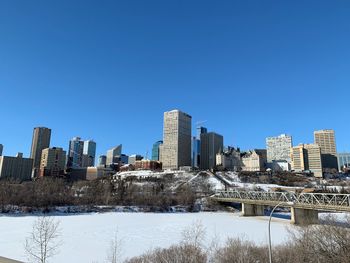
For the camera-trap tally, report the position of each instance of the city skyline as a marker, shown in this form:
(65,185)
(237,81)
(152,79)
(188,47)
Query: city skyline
(263,68)
(194,134)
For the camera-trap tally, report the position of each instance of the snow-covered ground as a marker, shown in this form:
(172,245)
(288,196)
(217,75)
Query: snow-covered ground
(86,237)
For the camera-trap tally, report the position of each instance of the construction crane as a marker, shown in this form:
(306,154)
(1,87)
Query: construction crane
(199,123)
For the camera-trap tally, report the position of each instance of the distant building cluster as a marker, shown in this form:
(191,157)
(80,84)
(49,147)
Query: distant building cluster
(178,149)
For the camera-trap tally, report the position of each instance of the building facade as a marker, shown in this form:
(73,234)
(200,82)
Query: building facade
(16,168)
(53,161)
(254,160)
(40,141)
(326,140)
(89,153)
(113,153)
(229,159)
(155,150)
(211,144)
(133,158)
(102,160)
(176,148)
(1,149)
(278,148)
(307,157)
(343,161)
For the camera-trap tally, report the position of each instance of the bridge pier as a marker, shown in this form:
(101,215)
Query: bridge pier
(252,210)
(301,216)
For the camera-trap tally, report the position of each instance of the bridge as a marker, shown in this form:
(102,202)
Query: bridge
(304,206)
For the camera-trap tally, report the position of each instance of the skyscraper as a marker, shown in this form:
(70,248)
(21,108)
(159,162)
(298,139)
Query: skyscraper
(40,141)
(196,147)
(1,149)
(176,148)
(75,153)
(211,144)
(195,152)
(155,150)
(278,148)
(89,153)
(326,140)
(113,153)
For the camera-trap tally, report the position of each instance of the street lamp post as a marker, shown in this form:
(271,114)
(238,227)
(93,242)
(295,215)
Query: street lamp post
(270,247)
(273,210)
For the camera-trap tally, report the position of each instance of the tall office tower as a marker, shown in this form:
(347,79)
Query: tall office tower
(307,157)
(53,161)
(113,153)
(89,153)
(278,148)
(75,154)
(1,149)
(155,150)
(196,147)
(102,160)
(40,141)
(176,148)
(195,152)
(211,144)
(326,140)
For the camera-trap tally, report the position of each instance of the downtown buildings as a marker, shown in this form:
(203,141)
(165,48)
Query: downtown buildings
(81,153)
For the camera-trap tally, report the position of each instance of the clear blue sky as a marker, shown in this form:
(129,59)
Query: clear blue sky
(107,70)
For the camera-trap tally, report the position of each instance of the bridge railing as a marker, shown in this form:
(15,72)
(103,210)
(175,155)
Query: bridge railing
(303,199)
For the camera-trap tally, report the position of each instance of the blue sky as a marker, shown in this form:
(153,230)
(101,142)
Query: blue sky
(107,70)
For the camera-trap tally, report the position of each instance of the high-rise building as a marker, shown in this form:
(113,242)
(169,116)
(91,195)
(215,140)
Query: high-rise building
(155,150)
(196,147)
(40,141)
(75,153)
(211,144)
(16,168)
(195,151)
(113,153)
(1,149)
(176,148)
(53,161)
(201,130)
(102,160)
(307,157)
(89,153)
(343,161)
(278,148)
(326,140)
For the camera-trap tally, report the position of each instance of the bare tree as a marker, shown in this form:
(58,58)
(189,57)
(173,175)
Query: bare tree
(114,252)
(43,242)
(194,235)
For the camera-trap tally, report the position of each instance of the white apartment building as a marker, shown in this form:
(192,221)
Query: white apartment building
(278,148)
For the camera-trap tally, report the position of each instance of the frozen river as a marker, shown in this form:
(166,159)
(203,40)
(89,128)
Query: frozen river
(86,237)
